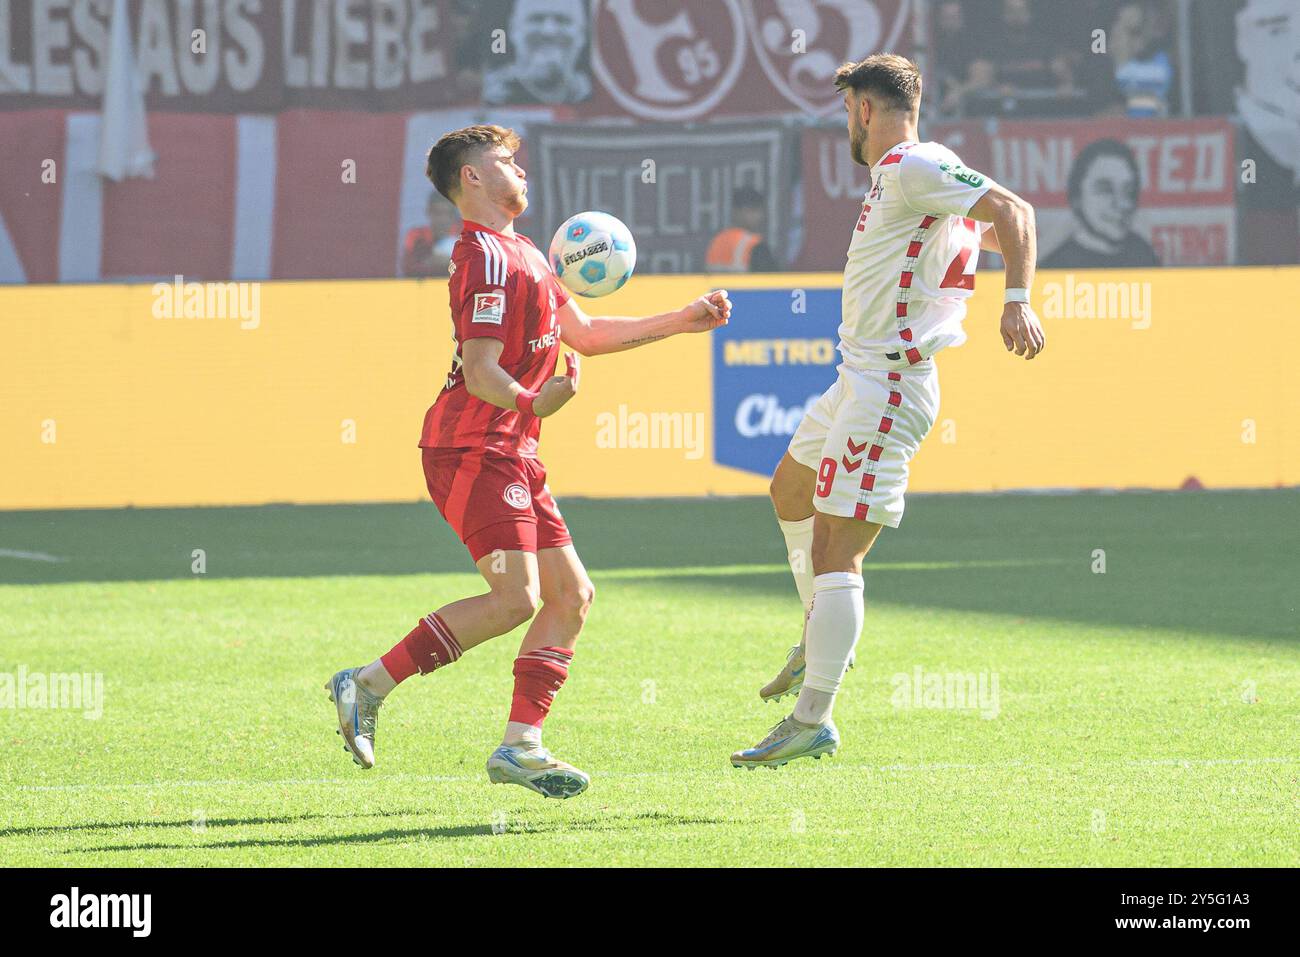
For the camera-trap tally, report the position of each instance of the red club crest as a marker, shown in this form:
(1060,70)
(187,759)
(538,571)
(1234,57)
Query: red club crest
(800,45)
(516,496)
(667,60)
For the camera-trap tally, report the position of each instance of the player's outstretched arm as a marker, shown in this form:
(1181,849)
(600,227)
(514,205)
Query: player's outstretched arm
(486,380)
(1016,239)
(597,335)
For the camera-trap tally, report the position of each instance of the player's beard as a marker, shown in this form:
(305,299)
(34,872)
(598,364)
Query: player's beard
(857,146)
(513,201)
(521,203)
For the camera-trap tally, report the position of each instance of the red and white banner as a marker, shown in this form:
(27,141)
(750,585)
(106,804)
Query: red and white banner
(833,191)
(310,194)
(239,55)
(648,59)
(307,194)
(683,60)
(1186,205)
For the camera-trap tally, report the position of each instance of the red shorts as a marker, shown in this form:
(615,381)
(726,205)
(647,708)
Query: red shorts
(494,500)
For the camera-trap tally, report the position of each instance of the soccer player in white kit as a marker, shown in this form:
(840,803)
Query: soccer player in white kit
(910,270)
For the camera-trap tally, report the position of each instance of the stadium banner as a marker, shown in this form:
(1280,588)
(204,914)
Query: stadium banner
(661,60)
(1161,190)
(248,393)
(670,60)
(768,367)
(238,56)
(304,194)
(834,188)
(272,190)
(671,185)
(1179,173)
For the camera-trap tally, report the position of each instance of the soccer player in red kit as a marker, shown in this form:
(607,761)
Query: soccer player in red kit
(480,460)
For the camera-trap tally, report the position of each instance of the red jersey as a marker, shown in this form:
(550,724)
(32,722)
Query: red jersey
(501,286)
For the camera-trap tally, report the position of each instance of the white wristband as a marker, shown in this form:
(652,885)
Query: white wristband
(1014,294)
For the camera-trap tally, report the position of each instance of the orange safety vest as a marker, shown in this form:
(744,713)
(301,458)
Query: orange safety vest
(730,250)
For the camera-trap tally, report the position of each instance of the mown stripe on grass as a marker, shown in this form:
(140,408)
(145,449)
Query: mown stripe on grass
(678,571)
(674,772)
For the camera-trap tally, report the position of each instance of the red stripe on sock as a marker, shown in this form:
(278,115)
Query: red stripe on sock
(428,647)
(444,635)
(538,678)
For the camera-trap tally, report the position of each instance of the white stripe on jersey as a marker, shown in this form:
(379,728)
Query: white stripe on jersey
(489,261)
(498,257)
(505,263)
(495,259)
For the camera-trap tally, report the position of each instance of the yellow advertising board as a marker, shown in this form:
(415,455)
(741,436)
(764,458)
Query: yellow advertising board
(315,392)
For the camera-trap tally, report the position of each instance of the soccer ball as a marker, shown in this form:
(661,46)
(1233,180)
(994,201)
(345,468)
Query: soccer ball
(593,254)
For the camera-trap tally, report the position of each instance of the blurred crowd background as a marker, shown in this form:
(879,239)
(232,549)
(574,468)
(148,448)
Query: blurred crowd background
(286,140)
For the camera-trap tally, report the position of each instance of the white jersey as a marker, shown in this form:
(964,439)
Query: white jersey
(911,262)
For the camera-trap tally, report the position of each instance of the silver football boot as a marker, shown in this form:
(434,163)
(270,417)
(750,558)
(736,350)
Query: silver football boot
(536,769)
(358,713)
(787,741)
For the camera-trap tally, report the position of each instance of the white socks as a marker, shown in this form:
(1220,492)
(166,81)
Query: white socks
(834,622)
(798,549)
(522,735)
(833,629)
(375,678)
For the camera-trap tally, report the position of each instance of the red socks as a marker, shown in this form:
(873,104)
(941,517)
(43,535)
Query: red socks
(429,647)
(538,676)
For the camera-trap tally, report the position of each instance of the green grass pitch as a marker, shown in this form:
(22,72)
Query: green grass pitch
(1145,716)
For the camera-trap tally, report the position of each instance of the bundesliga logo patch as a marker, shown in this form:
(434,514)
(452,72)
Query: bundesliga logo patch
(489,307)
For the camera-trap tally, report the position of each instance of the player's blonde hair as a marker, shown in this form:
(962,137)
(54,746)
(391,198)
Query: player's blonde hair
(893,81)
(453,150)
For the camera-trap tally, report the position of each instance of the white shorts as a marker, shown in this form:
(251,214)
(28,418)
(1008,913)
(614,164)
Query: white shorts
(860,436)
